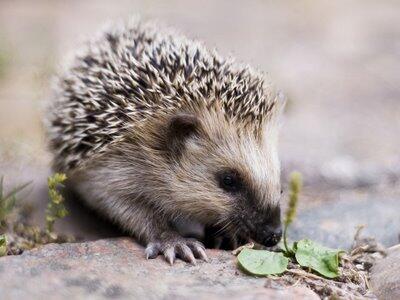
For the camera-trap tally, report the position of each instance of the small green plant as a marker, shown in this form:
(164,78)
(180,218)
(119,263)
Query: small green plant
(16,234)
(308,254)
(7,204)
(55,208)
(295,186)
(3,245)
(8,201)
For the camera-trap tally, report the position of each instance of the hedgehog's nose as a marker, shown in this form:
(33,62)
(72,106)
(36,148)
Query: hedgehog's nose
(270,236)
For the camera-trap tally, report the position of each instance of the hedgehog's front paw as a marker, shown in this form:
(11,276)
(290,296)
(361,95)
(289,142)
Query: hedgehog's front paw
(176,247)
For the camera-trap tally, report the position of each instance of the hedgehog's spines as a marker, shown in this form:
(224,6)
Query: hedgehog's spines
(134,71)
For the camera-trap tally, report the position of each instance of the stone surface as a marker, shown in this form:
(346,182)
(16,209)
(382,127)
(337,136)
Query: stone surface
(334,223)
(385,276)
(345,172)
(116,268)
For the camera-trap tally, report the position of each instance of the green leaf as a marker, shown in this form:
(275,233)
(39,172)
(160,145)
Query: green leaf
(262,262)
(282,248)
(321,259)
(3,245)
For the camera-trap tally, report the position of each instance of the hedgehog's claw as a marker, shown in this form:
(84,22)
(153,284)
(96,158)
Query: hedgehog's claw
(185,253)
(198,250)
(152,250)
(169,255)
(185,249)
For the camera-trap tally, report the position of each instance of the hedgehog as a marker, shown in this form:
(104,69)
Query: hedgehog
(155,130)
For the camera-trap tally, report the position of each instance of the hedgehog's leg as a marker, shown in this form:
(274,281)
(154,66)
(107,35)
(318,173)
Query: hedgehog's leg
(172,245)
(154,230)
(138,218)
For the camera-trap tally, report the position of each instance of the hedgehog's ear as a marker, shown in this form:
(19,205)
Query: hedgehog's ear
(180,127)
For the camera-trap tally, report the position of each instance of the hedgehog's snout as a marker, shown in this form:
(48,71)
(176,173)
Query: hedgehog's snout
(267,228)
(269,236)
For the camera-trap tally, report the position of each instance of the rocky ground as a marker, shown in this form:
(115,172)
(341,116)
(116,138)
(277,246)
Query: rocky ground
(116,268)
(385,277)
(338,64)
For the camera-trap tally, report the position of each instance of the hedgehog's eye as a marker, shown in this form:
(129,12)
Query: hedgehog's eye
(230,181)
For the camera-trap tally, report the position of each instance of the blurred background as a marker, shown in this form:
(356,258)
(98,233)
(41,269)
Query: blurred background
(337,62)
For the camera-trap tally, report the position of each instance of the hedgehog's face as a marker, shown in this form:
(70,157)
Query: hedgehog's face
(226,178)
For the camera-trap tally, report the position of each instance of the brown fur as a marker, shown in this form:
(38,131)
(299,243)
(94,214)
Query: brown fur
(140,178)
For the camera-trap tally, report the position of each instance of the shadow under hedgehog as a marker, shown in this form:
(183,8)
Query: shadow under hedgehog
(151,127)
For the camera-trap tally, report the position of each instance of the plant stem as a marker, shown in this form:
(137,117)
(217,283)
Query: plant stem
(295,184)
(288,251)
